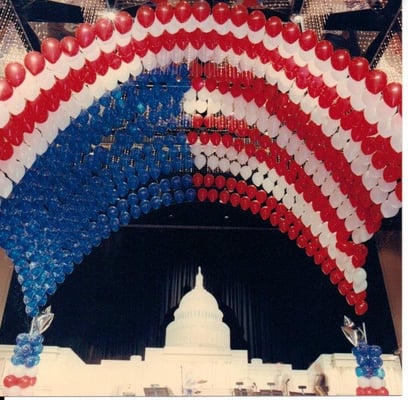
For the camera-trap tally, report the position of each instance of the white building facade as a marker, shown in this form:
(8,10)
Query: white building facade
(196,361)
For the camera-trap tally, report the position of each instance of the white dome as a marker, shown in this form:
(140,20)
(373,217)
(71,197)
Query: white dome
(198,321)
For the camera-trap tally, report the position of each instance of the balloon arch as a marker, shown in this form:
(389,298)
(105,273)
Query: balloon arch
(187,103)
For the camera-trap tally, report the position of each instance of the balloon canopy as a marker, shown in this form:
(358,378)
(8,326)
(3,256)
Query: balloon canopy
(191,103)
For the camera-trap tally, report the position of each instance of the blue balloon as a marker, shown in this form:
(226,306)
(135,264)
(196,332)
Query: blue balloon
(32,361)
(178,196)
(155,202)
(124,218)
(112,212)
(187,181)
(132,199)
(190,195)
(175,182)
(154,189)
(165,185)
(167,199)
(114,224)
(135,211)
(375,350)
(145,206)
(133,182)
(359,371)
(379,372)
(143,193)
(376,362)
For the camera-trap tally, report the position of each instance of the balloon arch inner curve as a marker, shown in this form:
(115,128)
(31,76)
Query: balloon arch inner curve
(190,103)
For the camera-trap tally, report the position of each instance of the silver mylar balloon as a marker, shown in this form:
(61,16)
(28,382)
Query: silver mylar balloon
(352,333)
(41,322)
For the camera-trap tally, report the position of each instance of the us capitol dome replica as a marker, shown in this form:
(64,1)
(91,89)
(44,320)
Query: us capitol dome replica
(198,322)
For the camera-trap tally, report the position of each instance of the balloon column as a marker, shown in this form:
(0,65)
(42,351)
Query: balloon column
(190,102)
(369,371)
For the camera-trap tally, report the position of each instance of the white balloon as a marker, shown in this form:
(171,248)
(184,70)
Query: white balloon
(288,201)
(209,149)
(329,186)
(283,136)
(359,165)
(220,150)
(196,148)
(394,200)
(253,163)
(201,106)
(36,141)
(231,153)
(246,172)
(386,186)
(359,275)
(356,101)
(13,169)
(308,104)
(203,94)
(284,83)
(345,209)
(268,185)
(273,126)
(242,157)
(257,179)
(320,176)
(360,286)
(376,382)
(6,186)
(272,175)
(263,168)
(293,144)
(212,162)
(336,198)
(329,126)
(351,150)
(200,161)
(352,222)
(224,165)
(369,181)
(251,113)
(339,139)
(235,168)
(311,166)
(25,154)
(377,195)
(301,155)
(278,191)
(388,210)
(263,120)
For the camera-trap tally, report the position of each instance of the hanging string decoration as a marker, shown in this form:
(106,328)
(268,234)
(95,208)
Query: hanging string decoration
(193,103)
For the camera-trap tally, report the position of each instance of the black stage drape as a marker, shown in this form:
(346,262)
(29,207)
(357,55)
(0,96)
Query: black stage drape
(276,301)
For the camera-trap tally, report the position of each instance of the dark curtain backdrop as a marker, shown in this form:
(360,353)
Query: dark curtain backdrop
(276,301)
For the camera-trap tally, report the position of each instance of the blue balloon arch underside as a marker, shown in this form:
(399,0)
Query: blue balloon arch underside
(125,156)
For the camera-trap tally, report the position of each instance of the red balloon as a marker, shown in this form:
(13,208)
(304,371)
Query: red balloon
(273,26)
(344,287)
(261,196)
(212,195)
(34,62)
(51,49)
(241,187)
(198,179)
(201,10)
(323,50)
(202,194)
(256,20)
(182,11)
(392,94)
(255,207)
(6,91)
(224,197)
(215,138)
(358,68)
(231,183)
(85,33)
(361,308)
(221,13)
(239,14)
(376,81)
(10,380)
(290,32)
(208,180)
(308,39)
(336,276)
(70,45)
(6,149)
(265,212)
(104,28)
(192,137)
(219,182)
(235,199)
(145,15)
(123,21)
(340,59)
(24,382)
(15,73)
(245,203)
(164,12)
